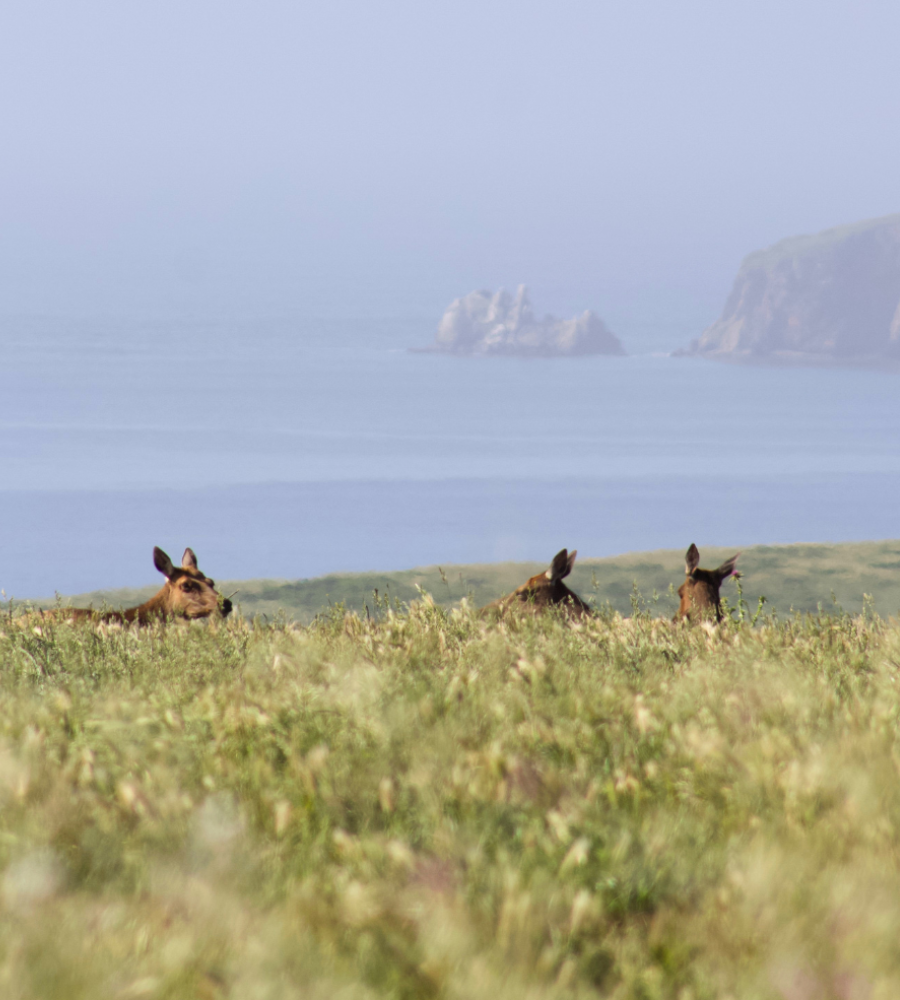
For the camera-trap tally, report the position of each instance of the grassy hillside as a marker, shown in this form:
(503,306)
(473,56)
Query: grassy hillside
(815,243)
(428,806)
(799,577)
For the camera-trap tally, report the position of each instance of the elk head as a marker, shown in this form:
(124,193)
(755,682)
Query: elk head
(187,593)
(546,590)
(700,591)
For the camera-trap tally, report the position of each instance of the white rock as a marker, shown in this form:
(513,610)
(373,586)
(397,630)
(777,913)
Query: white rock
(498,324)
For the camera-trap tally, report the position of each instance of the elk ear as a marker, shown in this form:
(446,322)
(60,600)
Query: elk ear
(559,567)
(691,559)
(727,568)
(188,560)
(163,563)
(571,562)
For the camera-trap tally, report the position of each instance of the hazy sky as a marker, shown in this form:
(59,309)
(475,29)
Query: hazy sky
(373,158)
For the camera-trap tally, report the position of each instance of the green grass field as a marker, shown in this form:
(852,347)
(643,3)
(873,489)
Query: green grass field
(422,803)
(791,577)
(427,805)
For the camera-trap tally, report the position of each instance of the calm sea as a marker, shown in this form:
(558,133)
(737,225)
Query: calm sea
(288,448)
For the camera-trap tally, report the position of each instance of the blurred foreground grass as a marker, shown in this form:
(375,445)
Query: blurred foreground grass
(425,805)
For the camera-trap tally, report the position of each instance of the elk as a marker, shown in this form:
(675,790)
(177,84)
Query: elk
(700,591)
(187,593)
(545,590)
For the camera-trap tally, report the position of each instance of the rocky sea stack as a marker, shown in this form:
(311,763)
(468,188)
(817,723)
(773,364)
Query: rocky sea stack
(485,323)
(832,298)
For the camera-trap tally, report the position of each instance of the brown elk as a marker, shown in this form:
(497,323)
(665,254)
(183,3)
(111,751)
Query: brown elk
(187,593)
(700,591)
(545,590)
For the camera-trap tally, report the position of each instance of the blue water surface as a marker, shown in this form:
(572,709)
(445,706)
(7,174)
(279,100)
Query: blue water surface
(291,448)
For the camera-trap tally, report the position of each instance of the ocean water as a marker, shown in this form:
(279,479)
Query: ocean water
(290,448)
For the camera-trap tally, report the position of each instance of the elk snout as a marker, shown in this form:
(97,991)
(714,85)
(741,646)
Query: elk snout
(226,608)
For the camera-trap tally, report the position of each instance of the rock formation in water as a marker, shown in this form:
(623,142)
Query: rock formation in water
(832,298)
(498,324)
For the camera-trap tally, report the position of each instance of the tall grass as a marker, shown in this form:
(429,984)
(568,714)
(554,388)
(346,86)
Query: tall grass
(424,804)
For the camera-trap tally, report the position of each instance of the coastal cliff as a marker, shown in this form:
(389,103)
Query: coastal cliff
(831,298)
(483,323)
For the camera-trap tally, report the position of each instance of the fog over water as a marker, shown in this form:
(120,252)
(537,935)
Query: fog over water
(224,224)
